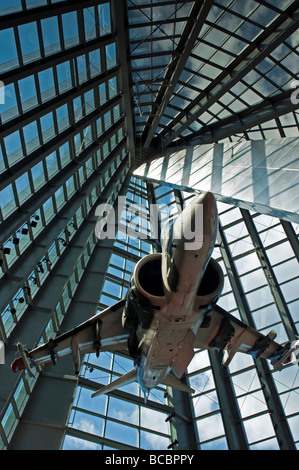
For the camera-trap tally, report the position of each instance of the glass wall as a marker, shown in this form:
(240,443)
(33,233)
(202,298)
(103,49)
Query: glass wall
(122,421)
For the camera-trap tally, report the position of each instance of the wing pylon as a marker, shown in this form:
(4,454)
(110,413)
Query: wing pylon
(221,331)
(103,332)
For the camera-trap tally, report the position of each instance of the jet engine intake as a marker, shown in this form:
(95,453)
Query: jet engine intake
(145,294)
(211,285)
(147,278)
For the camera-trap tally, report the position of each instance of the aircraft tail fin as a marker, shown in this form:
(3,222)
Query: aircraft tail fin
(172,381)
(120,382)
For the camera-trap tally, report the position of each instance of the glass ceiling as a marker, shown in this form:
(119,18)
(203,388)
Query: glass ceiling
(200,72)
(238,60)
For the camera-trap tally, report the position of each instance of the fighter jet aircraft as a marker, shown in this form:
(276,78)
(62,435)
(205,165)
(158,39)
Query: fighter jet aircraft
(170,309)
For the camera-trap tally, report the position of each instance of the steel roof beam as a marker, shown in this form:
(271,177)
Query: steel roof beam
(292,237)
(120,25)
(277,415)
(150,4)
(269,109)
(274,286)
(20,215)
(41,152)
(77,90)
(278,31)
(45,11)
(12,76)
(180,56)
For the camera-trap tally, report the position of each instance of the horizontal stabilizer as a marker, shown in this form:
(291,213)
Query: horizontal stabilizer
(289,355)
(21,362)
(172,381)
(125,379)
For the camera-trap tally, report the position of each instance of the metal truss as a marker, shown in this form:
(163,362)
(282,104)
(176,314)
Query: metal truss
(262,47)
(280,424)
(163,87)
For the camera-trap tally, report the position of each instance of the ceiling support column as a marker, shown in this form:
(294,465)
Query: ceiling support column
(277,415)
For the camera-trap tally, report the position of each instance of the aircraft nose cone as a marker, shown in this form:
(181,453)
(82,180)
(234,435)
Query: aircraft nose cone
(204,218)
(206,203)
(207,199)
(197,223)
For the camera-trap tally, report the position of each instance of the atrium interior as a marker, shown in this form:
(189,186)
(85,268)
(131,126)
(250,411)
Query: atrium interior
(152,101)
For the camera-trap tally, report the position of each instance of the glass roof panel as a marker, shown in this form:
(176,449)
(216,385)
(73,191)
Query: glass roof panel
(8,54)
(226,33)
(12,7)
(64,97)
(70,29)
(35,3)
(50,34)
(29,40)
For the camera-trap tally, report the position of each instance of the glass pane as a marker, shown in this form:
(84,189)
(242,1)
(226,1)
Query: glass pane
(47,126)
(48,209)
(8,54)
(62,117)
(28,93)
(64,153)
(89,101)
(35,3)
(95,63)
(103,96)
(7,200)
(51,38)
(89,23)
(20,394)
(47,85)
(29,41)
(2,164)
(31,137)
(13,148)
(8,106)
(82,68)
(104,19)
(70,29)
(111,55)
(12,7)
(78,108)
(23,187)
(112,86)
(38,176)
(8,420)
(52,165)
(64,76)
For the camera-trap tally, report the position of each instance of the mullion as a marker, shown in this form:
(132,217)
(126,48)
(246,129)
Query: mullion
(56,142)
(239,15)
(57,180)
(55,59)
(18,46)
(44,12)
(54,103)
(40,39)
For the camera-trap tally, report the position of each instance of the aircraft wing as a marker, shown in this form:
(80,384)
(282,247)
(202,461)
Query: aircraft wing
(220,330)
(103,332)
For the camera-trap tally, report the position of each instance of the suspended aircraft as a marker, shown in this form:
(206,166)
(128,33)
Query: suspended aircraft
(170,310)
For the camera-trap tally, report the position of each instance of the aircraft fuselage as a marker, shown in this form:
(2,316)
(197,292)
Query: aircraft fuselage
(167,343)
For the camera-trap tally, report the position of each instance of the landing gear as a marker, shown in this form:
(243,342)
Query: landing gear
(133,346)
(130,315)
